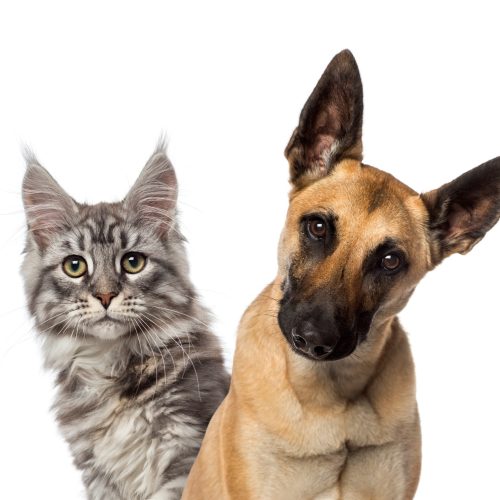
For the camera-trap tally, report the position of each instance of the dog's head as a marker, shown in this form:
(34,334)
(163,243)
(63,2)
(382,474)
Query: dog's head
(356,240)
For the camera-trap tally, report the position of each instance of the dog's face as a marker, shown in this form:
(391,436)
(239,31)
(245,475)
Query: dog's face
(356,240)
(354,245)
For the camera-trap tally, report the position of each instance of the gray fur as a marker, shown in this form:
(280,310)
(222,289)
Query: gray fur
(137,383)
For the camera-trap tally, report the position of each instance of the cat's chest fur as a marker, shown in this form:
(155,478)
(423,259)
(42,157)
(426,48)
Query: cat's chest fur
(118,412)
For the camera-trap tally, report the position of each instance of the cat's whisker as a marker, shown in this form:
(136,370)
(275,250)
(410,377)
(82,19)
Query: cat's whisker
(149,315)
(26,306)
(152,351)
(67,325)
(183,351)
(165,345)
(51,327)
(147,335)
(180,314)
(132,324)
(26,336)
(138,341)
(62,313)
(74,330)
(160,352)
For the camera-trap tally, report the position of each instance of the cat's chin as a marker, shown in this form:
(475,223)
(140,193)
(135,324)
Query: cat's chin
(107,329)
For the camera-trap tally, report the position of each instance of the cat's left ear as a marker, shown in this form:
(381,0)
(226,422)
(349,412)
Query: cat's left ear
(153,198)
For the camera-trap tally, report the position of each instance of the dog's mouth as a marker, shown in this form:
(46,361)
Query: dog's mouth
(320,329)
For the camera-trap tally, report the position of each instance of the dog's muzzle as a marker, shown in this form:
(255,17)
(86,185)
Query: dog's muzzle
(318,347)
(316,331)
(321,346)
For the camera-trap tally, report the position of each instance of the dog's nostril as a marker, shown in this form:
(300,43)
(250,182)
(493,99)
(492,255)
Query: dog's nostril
(322,350)
(299,341)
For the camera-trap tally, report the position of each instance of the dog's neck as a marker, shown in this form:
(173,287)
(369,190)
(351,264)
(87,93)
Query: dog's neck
(262,349)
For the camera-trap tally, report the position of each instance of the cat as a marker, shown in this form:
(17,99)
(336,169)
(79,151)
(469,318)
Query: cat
(138,371)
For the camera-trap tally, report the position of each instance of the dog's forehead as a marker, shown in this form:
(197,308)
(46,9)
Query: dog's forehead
(360,191)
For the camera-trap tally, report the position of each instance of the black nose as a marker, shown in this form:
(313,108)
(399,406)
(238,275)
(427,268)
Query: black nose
(310,343)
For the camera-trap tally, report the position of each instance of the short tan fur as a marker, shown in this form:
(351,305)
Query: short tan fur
(322,401)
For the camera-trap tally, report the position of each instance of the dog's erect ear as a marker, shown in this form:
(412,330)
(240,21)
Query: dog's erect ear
(464,210)
(330,123)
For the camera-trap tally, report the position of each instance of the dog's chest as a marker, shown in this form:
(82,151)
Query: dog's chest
(306,477)
(308,464)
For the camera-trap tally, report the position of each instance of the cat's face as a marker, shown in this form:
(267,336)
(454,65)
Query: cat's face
(104,270)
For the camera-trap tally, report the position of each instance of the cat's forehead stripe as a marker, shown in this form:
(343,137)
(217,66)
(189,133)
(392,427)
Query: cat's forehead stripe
(81,241)
(123,238)
(103,229)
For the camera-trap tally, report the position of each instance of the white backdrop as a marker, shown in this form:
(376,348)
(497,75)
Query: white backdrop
(90,86)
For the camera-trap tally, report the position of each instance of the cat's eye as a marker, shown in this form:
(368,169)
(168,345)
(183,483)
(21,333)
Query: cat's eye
(74,266)
(133,262)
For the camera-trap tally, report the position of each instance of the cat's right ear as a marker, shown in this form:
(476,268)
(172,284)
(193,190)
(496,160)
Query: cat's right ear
(49,209)
(153,198)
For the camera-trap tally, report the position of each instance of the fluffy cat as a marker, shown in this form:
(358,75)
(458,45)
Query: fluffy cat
(139,373)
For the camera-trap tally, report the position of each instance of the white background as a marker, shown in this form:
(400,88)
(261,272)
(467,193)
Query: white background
(90,86)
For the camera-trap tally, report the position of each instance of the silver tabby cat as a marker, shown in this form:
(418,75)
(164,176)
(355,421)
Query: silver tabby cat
(139,373)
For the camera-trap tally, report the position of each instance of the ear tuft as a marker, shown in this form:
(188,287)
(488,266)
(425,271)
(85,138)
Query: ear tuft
(49,209)
(330,123)
(153,198)
(464,210)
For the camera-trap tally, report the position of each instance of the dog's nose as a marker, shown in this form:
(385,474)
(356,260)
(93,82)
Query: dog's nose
(308,344)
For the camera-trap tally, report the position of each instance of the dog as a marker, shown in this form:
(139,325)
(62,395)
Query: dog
(322,401)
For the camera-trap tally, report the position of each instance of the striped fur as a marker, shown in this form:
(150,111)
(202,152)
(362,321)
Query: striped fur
(137,382)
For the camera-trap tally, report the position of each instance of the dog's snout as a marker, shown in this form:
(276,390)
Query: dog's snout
(310,343)
(319,328)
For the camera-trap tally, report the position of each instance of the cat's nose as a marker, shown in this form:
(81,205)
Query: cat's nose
(105,298)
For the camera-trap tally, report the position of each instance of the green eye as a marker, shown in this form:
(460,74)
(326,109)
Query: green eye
(133,262)
(74,266)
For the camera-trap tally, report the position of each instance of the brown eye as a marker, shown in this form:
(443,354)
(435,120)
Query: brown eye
(316,227)
(133,262)
(74,266)
(391,262)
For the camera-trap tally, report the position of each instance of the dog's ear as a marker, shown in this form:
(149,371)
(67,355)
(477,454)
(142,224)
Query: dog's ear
(330,123)
(464,210)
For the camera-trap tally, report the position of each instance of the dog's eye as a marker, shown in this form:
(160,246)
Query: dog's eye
(391,262)
(317,228)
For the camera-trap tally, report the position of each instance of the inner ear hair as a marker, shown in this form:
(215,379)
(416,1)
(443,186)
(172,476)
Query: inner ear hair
(49,209)
(152,200)
(464,210)
(330,123)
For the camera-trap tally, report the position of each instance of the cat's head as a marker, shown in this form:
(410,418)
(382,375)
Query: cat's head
(106,270)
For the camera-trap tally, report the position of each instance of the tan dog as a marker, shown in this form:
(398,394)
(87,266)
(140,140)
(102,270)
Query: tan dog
(322,401)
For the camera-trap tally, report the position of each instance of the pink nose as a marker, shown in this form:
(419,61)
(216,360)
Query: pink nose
(105,298)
